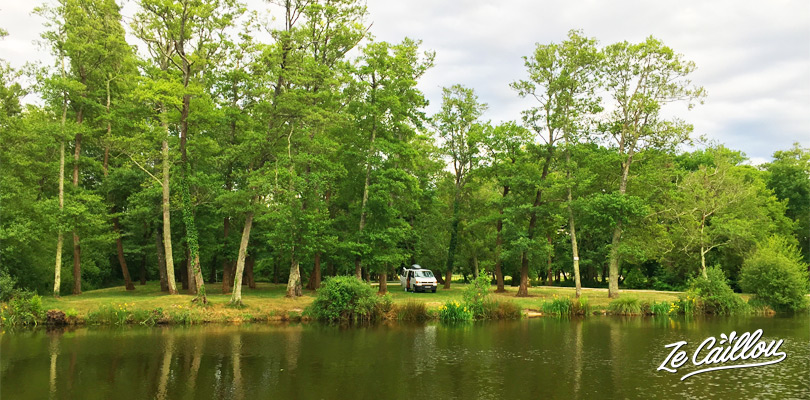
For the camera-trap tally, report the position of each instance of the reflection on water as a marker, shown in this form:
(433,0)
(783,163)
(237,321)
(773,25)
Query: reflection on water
(596,357)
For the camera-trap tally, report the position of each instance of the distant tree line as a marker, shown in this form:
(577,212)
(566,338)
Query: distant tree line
(206,154)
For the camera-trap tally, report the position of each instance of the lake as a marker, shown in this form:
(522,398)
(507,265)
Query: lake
(599,357)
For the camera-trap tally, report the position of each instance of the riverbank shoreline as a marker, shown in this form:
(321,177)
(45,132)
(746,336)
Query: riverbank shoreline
(267,303)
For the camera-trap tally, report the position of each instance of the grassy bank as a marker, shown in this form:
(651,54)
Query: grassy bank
(267,303)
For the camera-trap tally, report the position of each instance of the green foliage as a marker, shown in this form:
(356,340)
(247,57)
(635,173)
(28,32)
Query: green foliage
(711,295)
(347,299)
(7,287)
(635,279)
(662,308)
(476,296)
(625,305)
(776,275)
(566,306)
(502,309)
(109,314)
(412,311)
(25,308)
(558,306)
(453,311)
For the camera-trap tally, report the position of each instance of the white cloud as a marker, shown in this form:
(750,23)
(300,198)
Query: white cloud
(752,56)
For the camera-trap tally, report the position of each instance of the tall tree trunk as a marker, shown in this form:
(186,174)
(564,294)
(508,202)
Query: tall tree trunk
(164,284)
(249,263)
(294,283)
(613,277)
(451,250)
(167,224)
(227,274)
(383,283)
(77,250)
(440,279)
(572,227)
(357,260)
(121,260)
(57,274)
(190,277)
(57,279)
(315,277)
(184,270)
(523,290)
(613,265)
(498,245)
(236,297)
(195,272)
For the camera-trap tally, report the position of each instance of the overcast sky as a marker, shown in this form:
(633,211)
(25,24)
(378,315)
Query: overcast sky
(753,57)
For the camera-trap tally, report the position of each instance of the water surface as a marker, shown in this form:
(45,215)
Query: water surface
(593,358)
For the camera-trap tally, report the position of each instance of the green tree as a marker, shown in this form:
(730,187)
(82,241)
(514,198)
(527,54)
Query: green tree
(563,78)
(460,111)
(790,180)
(640,79)
(187,37)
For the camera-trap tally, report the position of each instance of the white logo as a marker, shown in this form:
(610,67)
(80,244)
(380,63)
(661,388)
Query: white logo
(743,347)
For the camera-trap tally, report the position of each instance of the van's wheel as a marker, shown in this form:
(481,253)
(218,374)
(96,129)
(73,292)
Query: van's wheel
(433,291)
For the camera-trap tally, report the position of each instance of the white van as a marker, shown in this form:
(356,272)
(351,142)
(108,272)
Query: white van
(417,279)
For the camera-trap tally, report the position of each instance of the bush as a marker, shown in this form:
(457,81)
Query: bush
(557,306)
(663,308)
(625,305)
(711,295)
(7,287)
(25,308)
(565,306)
(476,296)
(453,311)
(412,311)
(506,309)
(635,279)
(347,299)
(776,275)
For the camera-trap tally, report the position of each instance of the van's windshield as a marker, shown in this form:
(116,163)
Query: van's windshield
(423,274)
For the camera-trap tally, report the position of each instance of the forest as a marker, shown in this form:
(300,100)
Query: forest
(200,143)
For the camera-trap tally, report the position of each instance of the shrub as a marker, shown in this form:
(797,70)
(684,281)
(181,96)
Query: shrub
(776,275)
(347,299)
(662,308)
(25,308)
(505,309)
(565,306)
(711,295)
(412,311)
(7,287)
(625,305)
(476,296)
(635,279)
(453,311)
(557,306)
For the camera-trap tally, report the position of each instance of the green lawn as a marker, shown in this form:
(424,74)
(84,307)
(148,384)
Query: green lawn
(267,301)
